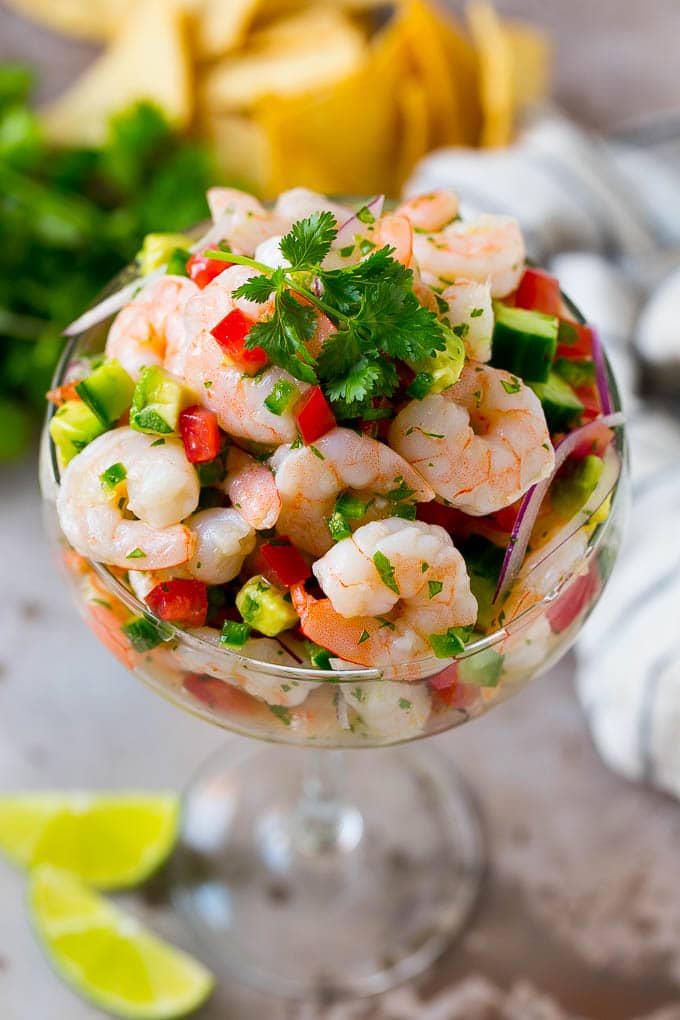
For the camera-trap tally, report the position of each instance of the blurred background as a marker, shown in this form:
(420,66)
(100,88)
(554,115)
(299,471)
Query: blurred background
(114,118)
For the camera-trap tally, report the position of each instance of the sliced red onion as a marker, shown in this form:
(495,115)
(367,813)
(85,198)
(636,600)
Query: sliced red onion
(354,225)
(601,377)
(114,302)
(533,499)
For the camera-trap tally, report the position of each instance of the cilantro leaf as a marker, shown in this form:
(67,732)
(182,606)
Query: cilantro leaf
(309,240)
(257,288)
(285,334)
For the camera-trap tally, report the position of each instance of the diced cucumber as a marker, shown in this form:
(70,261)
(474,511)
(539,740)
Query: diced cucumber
(576,484)
(562,407)
(524,342)
(264,607)
(575,371)
(483,560)
(483,669)
(158,400)
(72,427)
(107,391)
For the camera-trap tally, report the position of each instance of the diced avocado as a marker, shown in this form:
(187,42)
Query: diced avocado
(157,248)
(158,400)
(483,669)
(483,560)
(264,607)
(72,427)
(524,342)
(576,484)
(107,391)
(575,371)
(561,406)
(444,367)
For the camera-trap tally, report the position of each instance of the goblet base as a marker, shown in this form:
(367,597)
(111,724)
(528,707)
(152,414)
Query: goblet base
(316,874)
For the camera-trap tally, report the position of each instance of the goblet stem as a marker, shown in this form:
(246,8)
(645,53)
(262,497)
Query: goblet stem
(324,823)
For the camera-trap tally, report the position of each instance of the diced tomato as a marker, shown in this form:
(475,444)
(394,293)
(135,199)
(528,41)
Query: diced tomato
(314,416)
(590,399)
(200,434)
(539,291)
(219,694)
(61,394)
(574,340)
(450,692)
(599,438)
(231,333)
(202,270)
(447,517)
(573,600)
(505,518)
(179,601)
(281,563)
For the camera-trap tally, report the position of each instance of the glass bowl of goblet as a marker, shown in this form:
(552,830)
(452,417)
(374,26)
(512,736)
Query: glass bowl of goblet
(334,853)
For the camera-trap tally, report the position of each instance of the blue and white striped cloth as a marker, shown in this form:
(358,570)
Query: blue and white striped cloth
(604,215)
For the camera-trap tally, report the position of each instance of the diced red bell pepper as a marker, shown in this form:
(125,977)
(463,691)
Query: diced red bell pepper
(314,416)
(538,291)
(231,333)
(574,340)
(281,563)
(202,270)
(590,399)
(179,601)
(447,517)
(505,518)
(200,434)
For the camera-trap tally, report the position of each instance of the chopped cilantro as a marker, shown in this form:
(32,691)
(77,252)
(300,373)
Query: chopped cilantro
(113,476)
(404,703)
(281,713)
(338,527)
(451,643)
(136,554)
(158,442)
(434,587)
(386,571)
(364,636)
(365,215)
(352,507)
(514,386)
(476,312)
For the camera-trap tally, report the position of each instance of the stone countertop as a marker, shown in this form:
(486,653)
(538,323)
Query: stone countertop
(580,916)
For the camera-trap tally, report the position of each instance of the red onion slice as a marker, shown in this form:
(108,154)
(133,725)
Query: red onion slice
(354,225)
(601,377)
(114,302)
(533,499)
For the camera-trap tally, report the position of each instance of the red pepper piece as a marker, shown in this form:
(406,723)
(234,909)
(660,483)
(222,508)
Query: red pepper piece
(281,563)
(200,434)
(219,696)
(202,270)
(447,517)
(314,416)
(574,340)
(231,335)
(539,292)
(61,394)
(179,601)
(599,438)
(570,603)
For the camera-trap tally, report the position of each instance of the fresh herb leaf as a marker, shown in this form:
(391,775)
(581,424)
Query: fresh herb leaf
(309,240)
(113,476)
(386,571)
(434,587)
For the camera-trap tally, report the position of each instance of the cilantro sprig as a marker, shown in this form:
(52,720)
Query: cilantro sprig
(378,319)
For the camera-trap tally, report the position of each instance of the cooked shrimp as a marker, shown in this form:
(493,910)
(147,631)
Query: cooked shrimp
(480,444)
(237,399)
(299,203)
(471,314)
(223,540)
(488,248)
(246,222)
(150,329)
(311,477)
(389,587)
(251,487)
(396,232)
(388,708)
(432,211)
(159,486)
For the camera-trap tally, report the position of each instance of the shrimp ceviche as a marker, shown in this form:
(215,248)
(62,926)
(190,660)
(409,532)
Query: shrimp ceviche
(339,438)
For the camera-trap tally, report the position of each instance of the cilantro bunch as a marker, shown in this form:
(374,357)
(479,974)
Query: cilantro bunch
(379,320)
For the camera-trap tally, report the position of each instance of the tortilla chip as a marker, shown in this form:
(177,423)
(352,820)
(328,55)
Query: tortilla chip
(85,19)
(242,150)
(496,78)
(412,105)
(531,62)
(148,60)
(326,50)
(466,126)
(219,26)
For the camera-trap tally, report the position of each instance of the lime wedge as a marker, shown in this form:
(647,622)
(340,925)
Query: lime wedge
(108,957)
(111,841)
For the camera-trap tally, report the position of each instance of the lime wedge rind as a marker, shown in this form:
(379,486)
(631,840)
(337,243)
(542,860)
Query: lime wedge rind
(97,944)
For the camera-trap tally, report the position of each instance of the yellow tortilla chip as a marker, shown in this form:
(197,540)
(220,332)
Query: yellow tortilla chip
(343,139)
(242,150)
(412,134)
(219,26)
(86,19)
(329,49)
(496,82)
(466,126)
(148,60)
(530,62)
